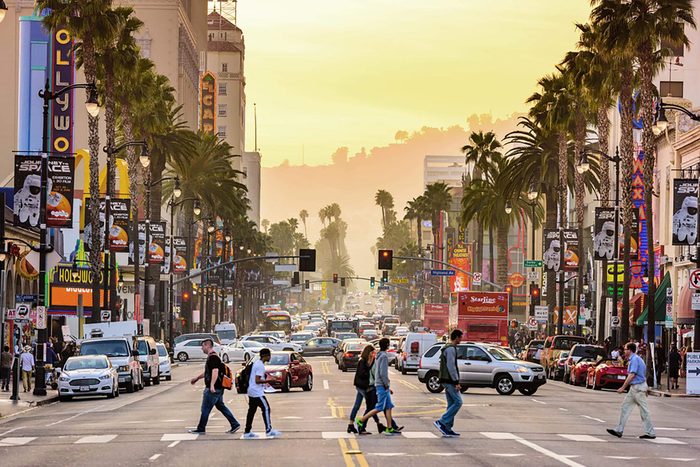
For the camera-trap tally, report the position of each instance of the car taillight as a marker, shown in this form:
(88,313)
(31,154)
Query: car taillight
(392,350)
(348,355)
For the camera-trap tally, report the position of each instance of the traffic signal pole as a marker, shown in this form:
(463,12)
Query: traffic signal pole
(451,266)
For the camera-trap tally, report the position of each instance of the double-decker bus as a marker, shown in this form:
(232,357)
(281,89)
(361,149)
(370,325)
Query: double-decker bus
(277,320)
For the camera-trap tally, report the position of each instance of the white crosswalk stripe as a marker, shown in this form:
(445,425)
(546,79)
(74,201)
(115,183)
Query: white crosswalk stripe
(584,438)
(16,441)
(96,439)
(179,437)
(665,441)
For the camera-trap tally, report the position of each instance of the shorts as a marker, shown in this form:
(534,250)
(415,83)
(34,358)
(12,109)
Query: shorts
(383,399)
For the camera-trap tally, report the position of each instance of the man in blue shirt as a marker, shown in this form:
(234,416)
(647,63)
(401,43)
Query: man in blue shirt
(637,395)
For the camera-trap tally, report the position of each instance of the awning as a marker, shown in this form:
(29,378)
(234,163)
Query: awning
(685,313)
(636,306)
(659,303)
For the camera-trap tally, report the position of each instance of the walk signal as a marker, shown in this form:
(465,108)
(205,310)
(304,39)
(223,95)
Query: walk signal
(535,294)
(371,282)
(386,259)
(307,260)
(335,278)
(295,279)
(385,277)
(307,284)
(342,282)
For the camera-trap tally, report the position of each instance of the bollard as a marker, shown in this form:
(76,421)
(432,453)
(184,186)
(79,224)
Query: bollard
(16,375)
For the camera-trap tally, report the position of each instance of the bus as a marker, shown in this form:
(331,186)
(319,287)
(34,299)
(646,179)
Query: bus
(277,320)
(342,325)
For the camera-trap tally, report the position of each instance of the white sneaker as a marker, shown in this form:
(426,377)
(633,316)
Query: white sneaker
(273,433)
(251,435)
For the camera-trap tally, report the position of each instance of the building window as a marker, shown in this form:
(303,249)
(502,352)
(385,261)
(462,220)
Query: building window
(222,131)
(224,67)
(222,110)
(222,89)
(671,89)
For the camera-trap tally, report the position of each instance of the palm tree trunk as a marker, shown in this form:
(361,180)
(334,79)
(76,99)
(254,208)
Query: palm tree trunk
(627,156)
(419,223)
(502,234)
(603,124)
(132,162)
(153,271)
(563,172)
(110,117)
(580,193)
(492,256)
(480,249)
(551,223)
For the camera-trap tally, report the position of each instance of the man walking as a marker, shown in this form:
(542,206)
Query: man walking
(257,399)
(5,368)
(27,365)
(213,391)
(449,377)
(384,392)
(637,395)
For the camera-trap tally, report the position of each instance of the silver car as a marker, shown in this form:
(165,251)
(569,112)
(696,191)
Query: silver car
(483,365)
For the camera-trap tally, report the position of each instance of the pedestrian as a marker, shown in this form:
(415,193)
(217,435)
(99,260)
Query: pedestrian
(684,351)
(637,395)
(674,366)
(256,397)
(27,362)
(384,392)
(361,382)
(5,368)
(615,354)
(213,395)
(449,377)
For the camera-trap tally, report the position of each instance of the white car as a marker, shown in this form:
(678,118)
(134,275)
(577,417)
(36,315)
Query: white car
(273,343)
(241,351)
(192,350)
(88,375)
(164,362)
(401,331)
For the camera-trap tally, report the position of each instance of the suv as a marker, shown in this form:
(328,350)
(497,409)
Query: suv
(273,343)
(553,346)
(483,365)
(123,356)
(148,357)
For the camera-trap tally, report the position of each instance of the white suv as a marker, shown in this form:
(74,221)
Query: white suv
(273,343)
(483,365)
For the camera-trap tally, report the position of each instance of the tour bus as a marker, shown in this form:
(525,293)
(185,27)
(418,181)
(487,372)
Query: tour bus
(277,320)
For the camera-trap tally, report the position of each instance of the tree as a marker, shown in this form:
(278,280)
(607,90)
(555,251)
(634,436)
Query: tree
(303,215)
(384,200)
(437,198)
(265,224)
(417,209)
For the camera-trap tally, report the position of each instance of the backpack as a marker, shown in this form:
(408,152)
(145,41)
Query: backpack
(227,377)
(243,378)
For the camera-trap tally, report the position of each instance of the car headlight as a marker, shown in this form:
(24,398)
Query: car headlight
(522,369)
(123,368)
(64,378)
(276,374)
(107,376)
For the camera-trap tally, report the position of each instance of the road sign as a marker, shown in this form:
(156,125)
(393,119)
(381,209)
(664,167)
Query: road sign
(695,303)
(383,287)
(694,279)
(692,382)
(22,311)
(10,314)
(105,316)
(476,279)
(533,275)
(41,317)
(532,263)
(541,312)
(615,321)
(442,272)
(532,323)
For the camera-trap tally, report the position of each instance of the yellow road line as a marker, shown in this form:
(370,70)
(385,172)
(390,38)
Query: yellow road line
(343,451)
(360,457)
(331,404)
(409,385)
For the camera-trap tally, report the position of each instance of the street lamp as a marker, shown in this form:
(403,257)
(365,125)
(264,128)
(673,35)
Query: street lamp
(508,208)
(197,209)
(3,10)
(533,193)
(583,164)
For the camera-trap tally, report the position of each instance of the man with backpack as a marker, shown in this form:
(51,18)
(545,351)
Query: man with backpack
(256,396)
(214,373)
(449,377)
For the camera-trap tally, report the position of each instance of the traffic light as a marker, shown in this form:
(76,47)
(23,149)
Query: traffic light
(385,277)
(295,279)
(335,278)
(371,282)
(535,294)
(307,284)
(386,259)
(307,260)
(509,289)
(342,282)
(185,296)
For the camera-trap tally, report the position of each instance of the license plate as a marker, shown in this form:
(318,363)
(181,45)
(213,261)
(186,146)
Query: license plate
(621,377)
(122,380)
(412,359)
(84,388)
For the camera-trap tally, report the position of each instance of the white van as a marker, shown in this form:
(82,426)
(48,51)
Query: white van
(411,348)
(227,332)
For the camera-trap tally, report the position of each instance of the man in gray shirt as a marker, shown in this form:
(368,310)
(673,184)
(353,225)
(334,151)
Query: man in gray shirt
(449,377)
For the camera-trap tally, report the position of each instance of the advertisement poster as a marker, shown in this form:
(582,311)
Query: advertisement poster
(27,190)
(685,211)
(180,256)
(604,234)
(120,210)
(156,249)
(461,258)
(208,103)
(552,250)
(437,317)
(571,255)
(569,315)
(65,288)
(483,304)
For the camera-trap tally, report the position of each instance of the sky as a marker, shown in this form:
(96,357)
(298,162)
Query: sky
(331,73)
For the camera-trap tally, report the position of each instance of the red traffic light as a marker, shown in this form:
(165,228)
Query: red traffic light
(185,296)
(335,278)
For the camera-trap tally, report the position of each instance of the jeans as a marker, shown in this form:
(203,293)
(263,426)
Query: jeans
(211,400)
(637,395)
(454,403)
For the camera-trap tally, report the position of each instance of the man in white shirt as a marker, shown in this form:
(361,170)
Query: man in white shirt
(256,397)
(27,362)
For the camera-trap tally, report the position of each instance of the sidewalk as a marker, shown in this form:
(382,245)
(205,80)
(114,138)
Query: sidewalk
(663,390)
(27,400)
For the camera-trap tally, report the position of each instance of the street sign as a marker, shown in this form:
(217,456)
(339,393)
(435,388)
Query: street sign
(692,382)
(694,279)
(532,323)
(476,279)
(383,287)
(22,311)
(41,317)
(695,303)
(615,321)
(533,275)
(668,323)
(541,312)
(532,263)
(10,314)
(442,272)
(105,316)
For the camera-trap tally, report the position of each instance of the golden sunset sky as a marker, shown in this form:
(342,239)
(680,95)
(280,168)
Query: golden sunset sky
(330,73)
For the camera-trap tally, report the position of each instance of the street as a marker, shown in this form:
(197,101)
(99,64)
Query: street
(559,425)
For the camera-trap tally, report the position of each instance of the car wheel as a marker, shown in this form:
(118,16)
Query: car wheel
(287,384)
(527,391)
(168,378)
(463,389)
(147,381)
(130,386)
(586,383)
(403,370)
(596,387)
(111,394)
(65,398)
(309,383)
(182,356)
(225,358)
(432,383)
(344,369)
(505,385)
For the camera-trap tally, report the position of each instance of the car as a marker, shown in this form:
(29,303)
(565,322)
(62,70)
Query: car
(410,350)
(288,370)
(579,352)
(197,335)
(227,332)
(579,372)
(606,373)
(370,334)
(192,350)
(350,356)
(483,365)
(553,346)
(304,316)
(278,334)
(345,335)
(121,355)
(365,326)
(533,350)
(88,375)
(558,371)
(320,346)
(301,337)
(401,331)
(273,343)
(389,329)
(240,351)
(341,347)
(314,329)
(148,357)
(164,362)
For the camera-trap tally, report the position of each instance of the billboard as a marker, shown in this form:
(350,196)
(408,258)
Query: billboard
(180,257)
(59,186)
(685,211)
(483,304)
(208,103)
(571,254)
(552,250)
(156,249)
(604,234)
(65,288)
(119,232)
(62,71)
(461,258)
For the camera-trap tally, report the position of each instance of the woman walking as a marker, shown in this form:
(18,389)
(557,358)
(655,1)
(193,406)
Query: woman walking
(674,366)
(362,387)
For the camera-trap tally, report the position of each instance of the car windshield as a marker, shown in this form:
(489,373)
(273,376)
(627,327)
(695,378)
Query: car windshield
(346,335)
(565,343)
(279,359)
(588,351)
(251,344)
(228,334)
(105,347)
(355,347)
(85,364)
(300,337)
(500,354)
(143,348)
(161,351)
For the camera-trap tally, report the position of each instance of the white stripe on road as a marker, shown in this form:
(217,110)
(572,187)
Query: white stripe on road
(665,441)
(593,418)
(10,431)
(173,444)
(659,428)
(584,438)
(499,435)
(179,437)
(95,439)
(507,454)
(386,454)
(445,454)
(173,421)
(679,459)
(18,441)
(563,409)
(418,435)
(502,436)
(76,415)
(154,457)
(622,458)
(336,435)
(325,384)
(539,402)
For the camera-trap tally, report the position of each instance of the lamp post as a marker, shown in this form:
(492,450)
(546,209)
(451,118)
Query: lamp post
(3,10)
(660,125)
(47,95)
(532,196)
(582,168)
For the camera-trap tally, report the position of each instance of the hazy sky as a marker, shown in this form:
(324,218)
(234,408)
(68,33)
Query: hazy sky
(330,73)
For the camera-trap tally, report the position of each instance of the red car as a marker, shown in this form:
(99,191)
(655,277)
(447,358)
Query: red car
(579,372)
(289,370)
(606,374)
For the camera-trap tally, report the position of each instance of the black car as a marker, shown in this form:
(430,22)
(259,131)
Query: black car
(350,356)
(320,346)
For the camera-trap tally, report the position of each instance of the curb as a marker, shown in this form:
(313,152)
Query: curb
(654,392)
(46,401)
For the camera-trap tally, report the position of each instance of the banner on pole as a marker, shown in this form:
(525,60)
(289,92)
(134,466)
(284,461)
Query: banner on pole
(552,250)
(604,234)
(685,211)
(59,187)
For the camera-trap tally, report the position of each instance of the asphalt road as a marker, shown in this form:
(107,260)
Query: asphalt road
(559,425)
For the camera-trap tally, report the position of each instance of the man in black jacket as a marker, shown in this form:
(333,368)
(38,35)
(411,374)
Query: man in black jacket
(449,377)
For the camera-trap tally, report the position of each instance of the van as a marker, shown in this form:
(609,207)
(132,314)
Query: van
(412,346)
(227,332)
(123,356)
(148,357)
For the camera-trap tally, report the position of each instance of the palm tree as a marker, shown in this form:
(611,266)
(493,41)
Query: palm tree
(384,200)
(303,215)
(265,224)
(437,198)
